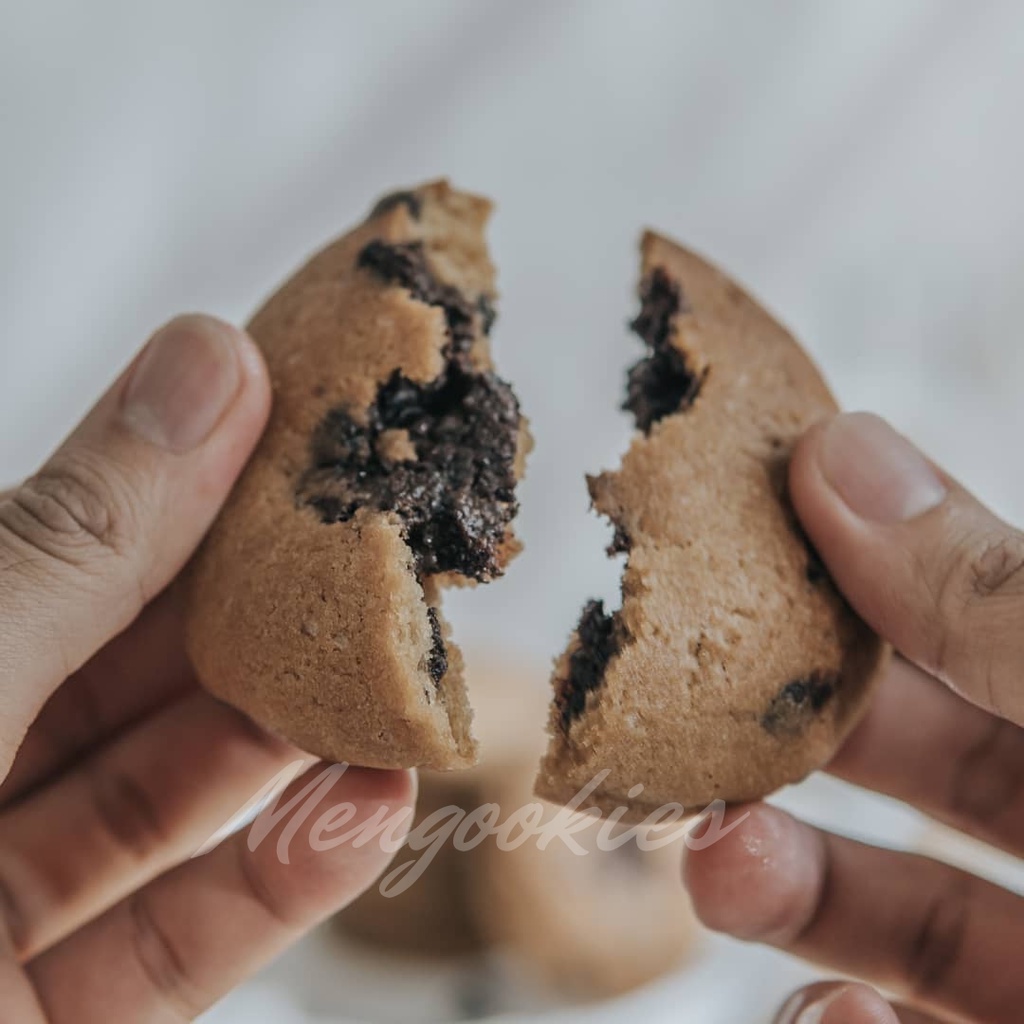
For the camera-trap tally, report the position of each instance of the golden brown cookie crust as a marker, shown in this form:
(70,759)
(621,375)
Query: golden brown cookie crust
(738,668)
(325,632)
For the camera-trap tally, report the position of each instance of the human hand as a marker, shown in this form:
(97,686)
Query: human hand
(941,577)
(116,767)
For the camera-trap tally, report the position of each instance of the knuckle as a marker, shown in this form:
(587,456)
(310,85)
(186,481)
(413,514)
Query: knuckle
(71,719)
(988,778)
(15,934)
(161,961)
(981,568)
(996,568)
(979,600)
(126,811)
(261,892)
(70,509)
(938,941)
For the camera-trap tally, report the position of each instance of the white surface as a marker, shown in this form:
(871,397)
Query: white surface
(859,165)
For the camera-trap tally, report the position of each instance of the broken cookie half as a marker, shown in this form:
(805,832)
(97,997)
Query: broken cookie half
(387,471)
(733,666)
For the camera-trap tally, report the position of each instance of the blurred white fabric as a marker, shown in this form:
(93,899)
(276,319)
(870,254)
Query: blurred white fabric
(858,165)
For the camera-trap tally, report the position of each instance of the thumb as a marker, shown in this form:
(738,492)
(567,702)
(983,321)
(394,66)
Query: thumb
(116,511)
(922,561)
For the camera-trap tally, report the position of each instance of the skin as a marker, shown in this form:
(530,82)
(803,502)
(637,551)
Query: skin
(940,578)
(116,768)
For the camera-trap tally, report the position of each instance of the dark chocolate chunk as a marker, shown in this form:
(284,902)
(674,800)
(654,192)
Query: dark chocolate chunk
(796,704)
(662,383)
(599,637)
(409,200)
(437,664)
(456,499)
(405,264)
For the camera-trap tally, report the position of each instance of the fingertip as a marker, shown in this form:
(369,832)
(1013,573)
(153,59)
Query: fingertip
(331,833)
(807,486)
(836,1002)
(198,386)
(253,364)
(759,881)
(255,390)
(855,1003)
(396,788)
(229,446)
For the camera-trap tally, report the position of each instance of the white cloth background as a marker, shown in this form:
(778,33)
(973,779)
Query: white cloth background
(859,165)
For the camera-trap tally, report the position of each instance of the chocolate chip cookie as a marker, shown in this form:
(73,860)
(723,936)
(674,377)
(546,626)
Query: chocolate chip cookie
(590,925)
(388,471)
(595,924)
(733,666)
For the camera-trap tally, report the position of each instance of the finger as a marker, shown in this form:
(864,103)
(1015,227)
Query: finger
(832,1002)
(250,904)
(18,997)
(956,763)
(142,804)
(113,515)
(921,560)
(842,1002)
(908,1015)
(944,940)
(138,672)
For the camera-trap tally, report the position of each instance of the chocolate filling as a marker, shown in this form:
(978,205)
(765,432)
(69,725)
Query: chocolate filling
(455,493)
(437,663)
(599,637)
(405,264)
(409,200)
(792,708)
(662,383)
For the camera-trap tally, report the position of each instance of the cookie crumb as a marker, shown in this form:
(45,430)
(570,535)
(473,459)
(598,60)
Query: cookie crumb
(663,382)
(395,446)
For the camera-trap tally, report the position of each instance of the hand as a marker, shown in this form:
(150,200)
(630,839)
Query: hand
(116,767)
(941,577)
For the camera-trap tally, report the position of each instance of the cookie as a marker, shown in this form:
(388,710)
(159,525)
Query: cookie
(387,471)
(438,915)
(593,925)
(434,917)
(733,666)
